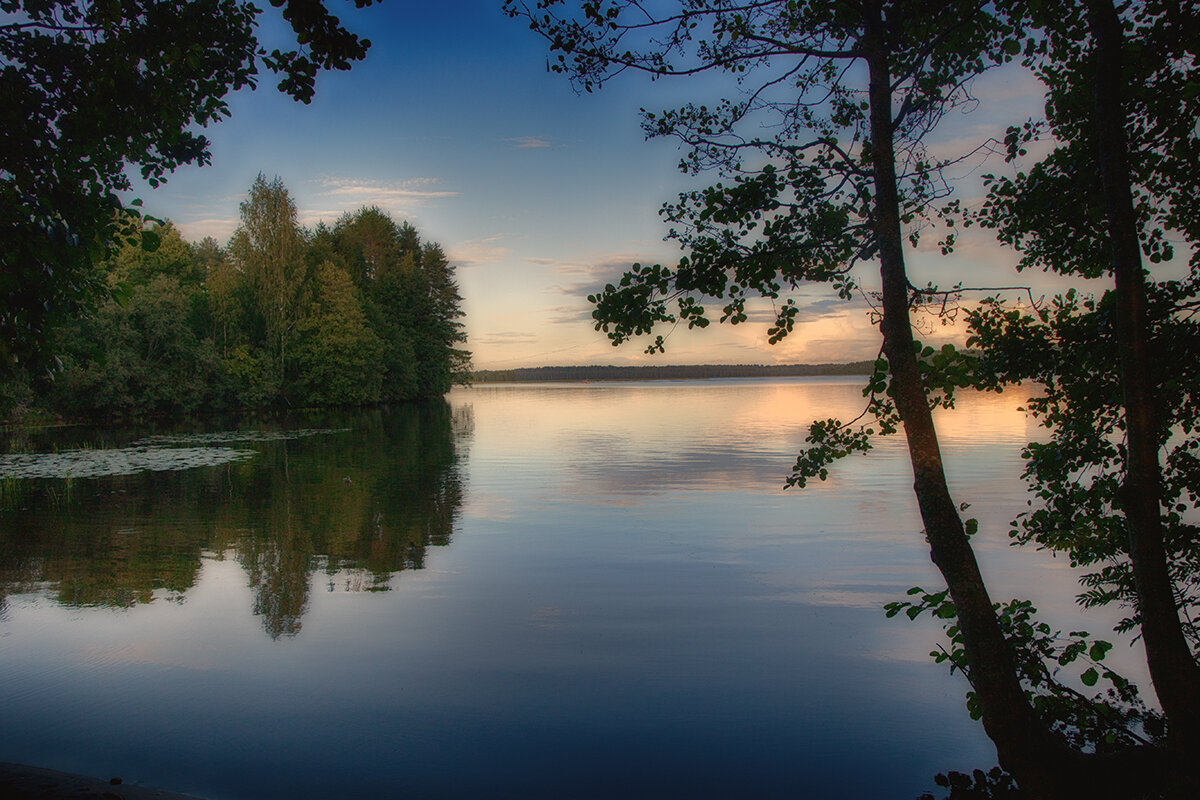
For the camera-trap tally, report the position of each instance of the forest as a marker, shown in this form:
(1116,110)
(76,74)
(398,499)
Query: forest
(280,316)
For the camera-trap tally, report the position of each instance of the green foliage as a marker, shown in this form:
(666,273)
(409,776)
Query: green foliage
(1051,666)
(1053,213)
(412,303)
(267,252)
(338,352)
(166,253)
(140,357)
(1076,476)
(275,319)
(95,91)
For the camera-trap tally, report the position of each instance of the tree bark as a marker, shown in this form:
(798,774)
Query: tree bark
(1173,668)
(1040,760)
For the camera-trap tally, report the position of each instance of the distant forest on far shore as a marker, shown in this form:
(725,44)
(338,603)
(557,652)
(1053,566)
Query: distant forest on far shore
(667,372)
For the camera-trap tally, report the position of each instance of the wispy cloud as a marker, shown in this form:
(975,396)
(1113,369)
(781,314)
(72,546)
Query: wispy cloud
(474,252)
(583,277)
(505,337)
(568,314)
(220,228)
(355,192)
(530,142)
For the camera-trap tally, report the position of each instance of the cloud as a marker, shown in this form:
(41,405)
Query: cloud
(473,252)
(586,276)
(354,192)
(530,142)
(973,148)
(332,198)
(220,228)
(505,337)
(568,315)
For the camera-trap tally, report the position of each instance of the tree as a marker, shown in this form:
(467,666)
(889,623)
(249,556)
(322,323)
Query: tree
(172,256)
(1120,183)
(267,249)
(93,89)
(368,242)
(137,357)
(1172,663)
(447,309)
(207,256)
(413,303)
(338,353)
(848,91)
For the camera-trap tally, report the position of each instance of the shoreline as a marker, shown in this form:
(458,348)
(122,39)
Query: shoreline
(25,781)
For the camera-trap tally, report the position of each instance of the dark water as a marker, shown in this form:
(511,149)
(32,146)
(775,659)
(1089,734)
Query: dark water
(528,591)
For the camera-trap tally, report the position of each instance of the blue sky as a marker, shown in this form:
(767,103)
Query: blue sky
(538,194)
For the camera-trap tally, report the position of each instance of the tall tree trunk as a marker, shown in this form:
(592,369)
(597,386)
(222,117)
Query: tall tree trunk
(1041,761)
(1173,668)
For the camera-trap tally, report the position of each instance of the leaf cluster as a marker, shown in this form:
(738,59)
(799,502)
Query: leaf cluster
(1090,722)
(1050,211)
(1076,476)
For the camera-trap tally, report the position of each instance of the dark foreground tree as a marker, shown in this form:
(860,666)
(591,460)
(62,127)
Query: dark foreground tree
(1120,184)
(1173,665)
(93,89)
(823,166)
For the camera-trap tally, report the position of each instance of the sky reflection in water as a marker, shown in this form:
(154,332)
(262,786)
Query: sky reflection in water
(533,591)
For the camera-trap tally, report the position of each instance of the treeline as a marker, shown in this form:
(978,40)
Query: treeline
(282,316)
(667,373)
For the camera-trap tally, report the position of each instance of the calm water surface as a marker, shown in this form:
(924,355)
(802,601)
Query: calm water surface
(585,590)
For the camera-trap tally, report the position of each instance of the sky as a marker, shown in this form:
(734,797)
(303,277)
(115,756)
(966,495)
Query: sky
(539,195)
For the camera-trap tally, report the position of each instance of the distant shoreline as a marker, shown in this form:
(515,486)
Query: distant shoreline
(667,372)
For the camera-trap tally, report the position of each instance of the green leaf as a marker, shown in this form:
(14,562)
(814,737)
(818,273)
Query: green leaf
(150,241)
(1090,677)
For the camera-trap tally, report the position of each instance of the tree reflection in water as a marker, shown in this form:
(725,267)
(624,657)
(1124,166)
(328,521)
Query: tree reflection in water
(357,496)
(995,784)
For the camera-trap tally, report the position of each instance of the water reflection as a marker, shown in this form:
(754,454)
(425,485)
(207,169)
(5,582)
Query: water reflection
(628,585)
(355,498)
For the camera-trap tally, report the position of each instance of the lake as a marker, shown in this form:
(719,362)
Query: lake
(555,590)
